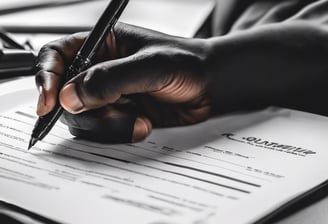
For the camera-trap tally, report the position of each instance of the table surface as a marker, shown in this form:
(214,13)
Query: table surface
(316,213)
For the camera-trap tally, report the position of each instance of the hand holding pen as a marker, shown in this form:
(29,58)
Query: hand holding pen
(83,60)
(144,79)
(141,79)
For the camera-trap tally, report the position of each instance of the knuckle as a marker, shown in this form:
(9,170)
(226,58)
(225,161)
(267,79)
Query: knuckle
(45,49)
(97,84)
(94,77)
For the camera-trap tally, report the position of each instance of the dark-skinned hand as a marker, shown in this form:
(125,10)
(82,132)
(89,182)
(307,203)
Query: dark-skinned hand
(141,79)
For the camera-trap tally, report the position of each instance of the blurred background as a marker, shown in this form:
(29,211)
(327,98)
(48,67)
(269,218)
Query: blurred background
(37,22)
(25,26)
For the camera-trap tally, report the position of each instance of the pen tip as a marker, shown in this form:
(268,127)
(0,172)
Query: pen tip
(32,142)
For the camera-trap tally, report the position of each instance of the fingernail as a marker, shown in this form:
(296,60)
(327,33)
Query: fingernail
(141,129)
(70,100)
(41,101)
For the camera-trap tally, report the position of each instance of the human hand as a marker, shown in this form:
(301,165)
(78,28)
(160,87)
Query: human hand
(141,79)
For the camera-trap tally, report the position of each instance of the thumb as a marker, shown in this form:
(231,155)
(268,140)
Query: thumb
(106,82)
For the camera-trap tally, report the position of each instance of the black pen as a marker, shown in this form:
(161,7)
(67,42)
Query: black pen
(81,62)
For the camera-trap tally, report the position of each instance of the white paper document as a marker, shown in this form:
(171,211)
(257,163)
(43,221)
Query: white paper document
(230,169)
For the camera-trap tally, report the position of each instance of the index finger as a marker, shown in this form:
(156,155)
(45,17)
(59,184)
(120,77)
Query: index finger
(53,60)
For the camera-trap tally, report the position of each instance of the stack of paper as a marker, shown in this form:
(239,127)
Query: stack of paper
(231,169)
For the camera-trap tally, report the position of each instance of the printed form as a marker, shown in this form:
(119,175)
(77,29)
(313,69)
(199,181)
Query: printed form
(230,169)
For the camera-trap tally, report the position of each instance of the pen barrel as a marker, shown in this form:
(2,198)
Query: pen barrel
(79,64)
(105,23)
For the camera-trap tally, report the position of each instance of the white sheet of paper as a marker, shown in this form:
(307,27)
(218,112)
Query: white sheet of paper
(231,169)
